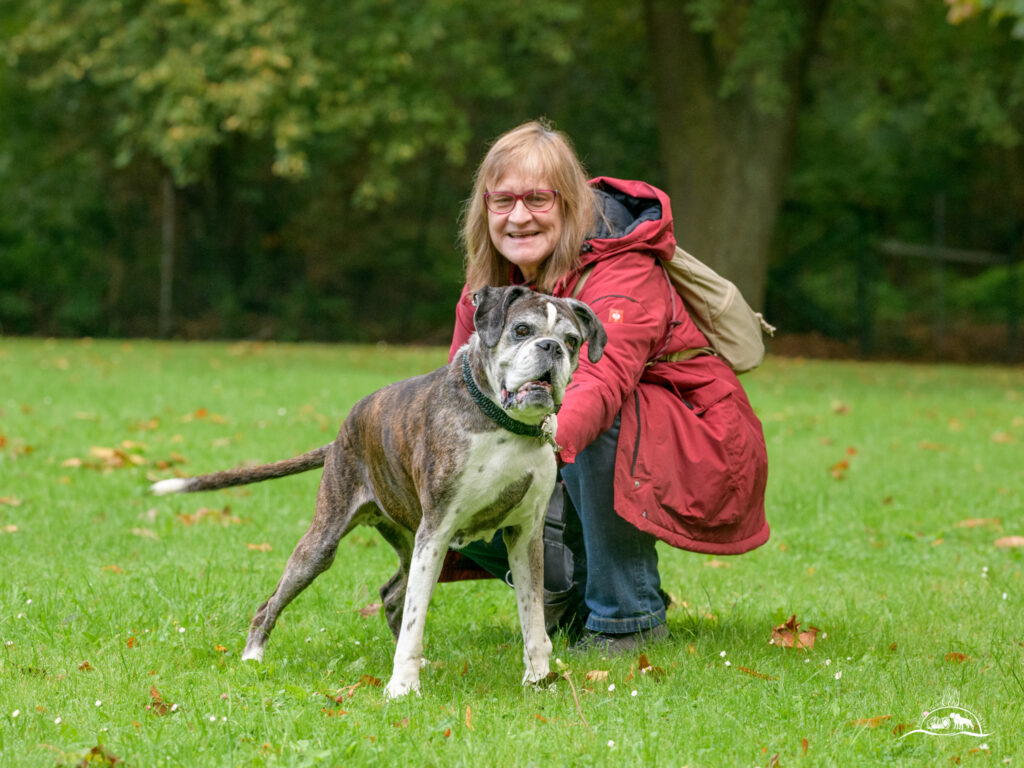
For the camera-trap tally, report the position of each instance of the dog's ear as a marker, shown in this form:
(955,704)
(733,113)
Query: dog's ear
(491,310)
(596,336)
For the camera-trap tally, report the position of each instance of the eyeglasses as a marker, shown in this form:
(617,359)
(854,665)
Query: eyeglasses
(536,200)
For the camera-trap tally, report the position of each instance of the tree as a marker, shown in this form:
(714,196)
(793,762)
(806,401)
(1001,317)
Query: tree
(730,79)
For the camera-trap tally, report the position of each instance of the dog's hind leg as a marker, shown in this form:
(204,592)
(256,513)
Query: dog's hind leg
(313,555)
(526,561)
(392,593)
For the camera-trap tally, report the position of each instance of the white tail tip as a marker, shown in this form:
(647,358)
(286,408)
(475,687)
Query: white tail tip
(173,485)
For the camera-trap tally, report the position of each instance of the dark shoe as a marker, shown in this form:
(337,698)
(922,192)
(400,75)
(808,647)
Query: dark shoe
(610,645)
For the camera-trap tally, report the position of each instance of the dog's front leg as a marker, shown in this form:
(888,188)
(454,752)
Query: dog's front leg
(526,561)
(427,558)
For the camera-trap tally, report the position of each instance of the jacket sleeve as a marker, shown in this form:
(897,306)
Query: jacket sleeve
(464,327)
(629,294)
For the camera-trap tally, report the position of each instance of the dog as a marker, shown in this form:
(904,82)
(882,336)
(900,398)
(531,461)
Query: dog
(438,461)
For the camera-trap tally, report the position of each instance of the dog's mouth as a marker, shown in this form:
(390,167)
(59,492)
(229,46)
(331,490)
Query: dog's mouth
(541,386)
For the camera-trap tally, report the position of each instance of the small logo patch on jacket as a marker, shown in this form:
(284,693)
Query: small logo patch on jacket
(615,315)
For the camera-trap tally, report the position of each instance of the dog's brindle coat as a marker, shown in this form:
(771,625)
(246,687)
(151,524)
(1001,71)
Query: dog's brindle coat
(421,462)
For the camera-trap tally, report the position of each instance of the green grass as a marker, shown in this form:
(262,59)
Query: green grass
(108,595)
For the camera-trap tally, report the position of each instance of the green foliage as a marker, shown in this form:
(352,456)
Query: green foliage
(889,486)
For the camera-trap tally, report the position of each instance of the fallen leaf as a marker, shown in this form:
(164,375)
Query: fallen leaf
(131,641)
(113,568)
(648,669)
(10,501)
(840,408)
(957,658)
(469,719)
(899,728)
(839,469)
(85,666)
(157,704)
(9,529)
(870,722)
(975,522)
(759,675)
(370,680)
(334,712)
(220,649)
(98,757)
(1009,541)
(447,732)
(804,744)
(597,675)
(264,547)
(403,723)
(1002,437)
(788,635)
(222,516)
(369,610)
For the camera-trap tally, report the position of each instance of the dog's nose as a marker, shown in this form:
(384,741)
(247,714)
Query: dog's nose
(550,346)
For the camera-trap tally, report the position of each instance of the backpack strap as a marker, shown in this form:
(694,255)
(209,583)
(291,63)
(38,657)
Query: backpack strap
(578,288)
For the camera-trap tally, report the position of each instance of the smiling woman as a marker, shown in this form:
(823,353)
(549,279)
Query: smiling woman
(653,446)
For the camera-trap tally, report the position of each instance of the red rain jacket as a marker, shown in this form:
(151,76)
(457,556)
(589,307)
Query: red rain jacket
(691,466)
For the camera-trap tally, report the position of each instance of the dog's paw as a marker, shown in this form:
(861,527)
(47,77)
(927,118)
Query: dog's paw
(252,654)
(396,688)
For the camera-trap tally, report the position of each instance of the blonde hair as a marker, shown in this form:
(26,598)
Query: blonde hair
(534,150)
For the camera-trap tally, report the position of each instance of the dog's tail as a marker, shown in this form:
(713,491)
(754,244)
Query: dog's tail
(243,476)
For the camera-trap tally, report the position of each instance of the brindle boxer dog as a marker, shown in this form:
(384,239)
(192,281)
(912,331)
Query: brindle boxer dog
(440,460)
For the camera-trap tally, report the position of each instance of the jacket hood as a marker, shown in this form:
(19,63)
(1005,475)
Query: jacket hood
(632,215)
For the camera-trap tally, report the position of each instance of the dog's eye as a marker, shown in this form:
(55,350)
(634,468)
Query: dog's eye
(521,331)
(573,343)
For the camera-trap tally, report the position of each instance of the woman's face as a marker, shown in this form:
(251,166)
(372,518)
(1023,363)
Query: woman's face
(524,237)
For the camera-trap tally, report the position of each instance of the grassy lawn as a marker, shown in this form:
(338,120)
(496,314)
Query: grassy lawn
(893,492)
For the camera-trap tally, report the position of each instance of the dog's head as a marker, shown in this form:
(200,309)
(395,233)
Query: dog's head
(534,341)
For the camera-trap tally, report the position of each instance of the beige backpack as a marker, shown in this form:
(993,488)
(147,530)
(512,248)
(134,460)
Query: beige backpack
(734,331)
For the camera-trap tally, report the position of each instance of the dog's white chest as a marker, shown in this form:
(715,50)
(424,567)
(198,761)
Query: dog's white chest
(506,480)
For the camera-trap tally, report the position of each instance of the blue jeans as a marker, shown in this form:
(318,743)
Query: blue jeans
(617,569)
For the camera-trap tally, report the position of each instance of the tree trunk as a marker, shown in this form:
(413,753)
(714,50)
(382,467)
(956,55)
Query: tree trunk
(167,221)
(726,159)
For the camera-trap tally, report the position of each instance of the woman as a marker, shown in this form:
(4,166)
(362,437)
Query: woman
(650,448)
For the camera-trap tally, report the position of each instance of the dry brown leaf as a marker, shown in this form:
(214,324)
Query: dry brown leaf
(10,501)
(1006,542)
(8,529)
(222,516)
(469,719)
(157,704)
(85,666)
(113,568)
(957,658)
(759,675)
(597,675)
(788,635)
(870,722)
(264,547)
(369,610)
(975,522)
(804,744)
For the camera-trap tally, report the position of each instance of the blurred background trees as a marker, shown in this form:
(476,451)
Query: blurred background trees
(296,170)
